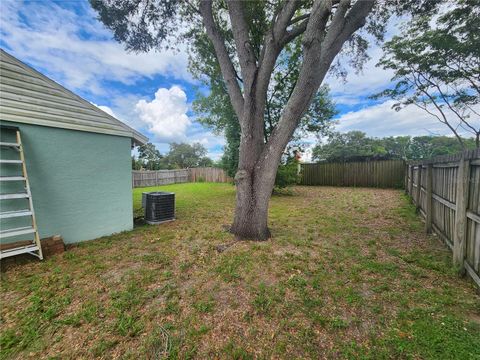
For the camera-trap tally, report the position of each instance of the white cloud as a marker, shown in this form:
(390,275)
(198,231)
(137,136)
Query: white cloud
(381,120)
(166,115)
(49,36)
(371,79)
(125,109)
(215,155)
(106,109)
(213,143)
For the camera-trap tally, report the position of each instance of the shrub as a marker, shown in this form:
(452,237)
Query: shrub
(287,174)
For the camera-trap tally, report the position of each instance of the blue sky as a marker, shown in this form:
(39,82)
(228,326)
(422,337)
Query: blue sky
(153,92)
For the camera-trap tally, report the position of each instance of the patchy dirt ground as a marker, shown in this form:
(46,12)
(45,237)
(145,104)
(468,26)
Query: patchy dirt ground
(348,273)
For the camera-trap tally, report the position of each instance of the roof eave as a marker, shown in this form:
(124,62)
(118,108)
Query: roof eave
(139,139)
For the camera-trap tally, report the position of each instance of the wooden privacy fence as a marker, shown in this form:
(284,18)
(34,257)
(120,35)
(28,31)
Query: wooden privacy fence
(381,173)
(208,174)
(142,178)
(446,191)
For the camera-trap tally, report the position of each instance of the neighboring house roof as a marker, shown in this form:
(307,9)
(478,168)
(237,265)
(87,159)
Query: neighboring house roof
(27,96)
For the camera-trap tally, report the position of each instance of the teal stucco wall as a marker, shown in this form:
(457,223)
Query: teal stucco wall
(80,182)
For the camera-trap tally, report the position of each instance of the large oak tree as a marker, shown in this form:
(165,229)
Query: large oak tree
(323,28)
(215,111)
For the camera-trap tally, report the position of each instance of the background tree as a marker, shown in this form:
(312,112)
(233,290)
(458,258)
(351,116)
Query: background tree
(182,156)
(350,146)
(229,160)
(206,162)
(149,158)
(426,147)
(136,164)
(357,146)
(438,69)
(397,147)
(235,28)
(287,173)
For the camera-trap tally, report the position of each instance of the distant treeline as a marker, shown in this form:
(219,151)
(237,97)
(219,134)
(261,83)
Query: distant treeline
(357,146)
(180,156)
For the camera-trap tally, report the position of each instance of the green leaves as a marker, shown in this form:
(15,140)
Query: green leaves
(180,156)
(356,146)
(140,25)
(436,64)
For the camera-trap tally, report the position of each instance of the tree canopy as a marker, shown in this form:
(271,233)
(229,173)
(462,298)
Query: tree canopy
(180,156)
(149,158)
(436,62)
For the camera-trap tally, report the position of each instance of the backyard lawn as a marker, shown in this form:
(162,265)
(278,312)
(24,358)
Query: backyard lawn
(347,274)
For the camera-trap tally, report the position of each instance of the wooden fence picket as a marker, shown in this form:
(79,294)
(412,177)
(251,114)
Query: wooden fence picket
(450,204)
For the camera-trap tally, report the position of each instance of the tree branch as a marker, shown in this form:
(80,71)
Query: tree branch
(445,99)
(424,107)
(290,35)
(472,110)
(226,65)
(274,44)
(445,121)
(241,34)
(298,18)
(465,75)
(319,51)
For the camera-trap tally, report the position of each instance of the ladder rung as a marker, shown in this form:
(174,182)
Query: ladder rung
(9,144)
(12,178)
(17,231)
(14,196)
(20,250)
(16,213)
(10,161)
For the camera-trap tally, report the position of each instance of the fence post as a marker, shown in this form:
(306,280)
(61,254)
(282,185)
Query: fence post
(156,178)
(428,199)
(459,235)
(410,186)
(419,186)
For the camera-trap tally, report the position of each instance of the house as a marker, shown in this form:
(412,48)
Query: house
(78,158)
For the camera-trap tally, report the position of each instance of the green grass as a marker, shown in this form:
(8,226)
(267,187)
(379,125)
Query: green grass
(348,274)
(193,196)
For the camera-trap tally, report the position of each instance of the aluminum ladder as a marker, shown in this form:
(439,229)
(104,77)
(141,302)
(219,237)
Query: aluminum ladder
(34,248)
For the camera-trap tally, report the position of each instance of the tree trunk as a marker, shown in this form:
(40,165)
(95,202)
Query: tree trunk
(253,183)
(251,213)
(254,190)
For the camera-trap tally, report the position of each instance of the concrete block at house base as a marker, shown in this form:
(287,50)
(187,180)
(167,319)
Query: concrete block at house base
(52,245)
